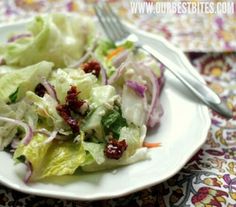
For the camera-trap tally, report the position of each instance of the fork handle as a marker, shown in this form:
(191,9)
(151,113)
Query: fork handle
(201,90)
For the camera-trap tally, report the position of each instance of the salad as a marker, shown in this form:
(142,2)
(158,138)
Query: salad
(71,100)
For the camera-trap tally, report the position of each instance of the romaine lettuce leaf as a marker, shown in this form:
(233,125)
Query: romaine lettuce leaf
(62,158)
(7,130)
(56,158)
(15,84)
(20,111)
(4,69)
(134,137)
(95,150)
(34,151)
(92,123)
(102,100)
(57,38)
(46,108)
(139,155)
(103,95)
(62,80)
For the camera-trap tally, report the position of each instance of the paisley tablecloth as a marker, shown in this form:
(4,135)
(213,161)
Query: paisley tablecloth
(209,178)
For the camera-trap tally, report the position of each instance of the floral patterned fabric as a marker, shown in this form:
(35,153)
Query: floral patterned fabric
(198,32)
(209,178)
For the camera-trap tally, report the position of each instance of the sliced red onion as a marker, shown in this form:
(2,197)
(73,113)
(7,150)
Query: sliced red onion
(161,82)
(50,89)
(17,37)
(162,68)
(103,75)
(27,128)
(155,110)
(29,172)
(155,115)
(151,121)
(120,58)
(138,88)
(115,76)
(51,137)
(161,79)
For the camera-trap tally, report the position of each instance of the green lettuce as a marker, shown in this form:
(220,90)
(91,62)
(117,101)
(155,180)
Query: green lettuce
(95,150)
(4,69)
(7,130)
(62,80)
(56,38)
(102,99)
(56,158)
(113,122)
(20,111)
(92,123)
(15,84)
(45,107)
(133,136)
(101,95)
(93,166)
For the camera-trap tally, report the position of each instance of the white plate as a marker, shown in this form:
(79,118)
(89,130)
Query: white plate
(183,130)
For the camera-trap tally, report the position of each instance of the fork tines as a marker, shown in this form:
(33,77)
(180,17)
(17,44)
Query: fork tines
(110,22)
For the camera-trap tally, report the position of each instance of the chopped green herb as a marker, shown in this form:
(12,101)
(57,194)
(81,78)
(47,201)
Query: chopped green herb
(21,158)
(13,96)
(113,121)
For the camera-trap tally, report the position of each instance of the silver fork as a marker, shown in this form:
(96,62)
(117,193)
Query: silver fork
(117,33)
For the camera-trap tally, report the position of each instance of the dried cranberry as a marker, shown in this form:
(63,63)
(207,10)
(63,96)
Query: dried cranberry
(92,67)
(64,112)
(114,148)
(76,105)
(40,90)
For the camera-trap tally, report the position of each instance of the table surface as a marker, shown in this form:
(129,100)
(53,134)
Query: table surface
(209,178)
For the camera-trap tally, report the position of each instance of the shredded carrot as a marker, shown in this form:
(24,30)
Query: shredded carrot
(114,52)
(151,145)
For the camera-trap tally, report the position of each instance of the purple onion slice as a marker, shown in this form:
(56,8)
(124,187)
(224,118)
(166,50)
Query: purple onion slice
(17,37)
(28,130)
(138,88)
